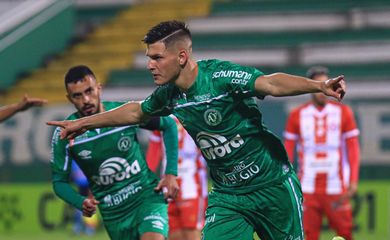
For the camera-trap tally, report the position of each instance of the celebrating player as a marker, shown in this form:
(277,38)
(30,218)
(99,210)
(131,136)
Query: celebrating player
(254,185)
(127,193)
(328,155)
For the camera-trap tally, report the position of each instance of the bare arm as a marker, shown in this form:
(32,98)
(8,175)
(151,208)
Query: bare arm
(281,84)
(27,102)
(127,114)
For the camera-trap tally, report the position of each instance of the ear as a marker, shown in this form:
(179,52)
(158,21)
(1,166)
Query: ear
(68,97)
(183,57)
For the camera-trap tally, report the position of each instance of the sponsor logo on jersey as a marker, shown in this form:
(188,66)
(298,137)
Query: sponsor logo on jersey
(116,170)
(239,81)
(239,173)
(204,97)
(124,143)
(123,194)
(212,117)
(233,74)
(216,146)
(85,154)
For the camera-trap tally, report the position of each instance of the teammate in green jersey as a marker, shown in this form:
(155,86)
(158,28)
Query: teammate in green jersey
(254,186)
(26,103)
(128,194)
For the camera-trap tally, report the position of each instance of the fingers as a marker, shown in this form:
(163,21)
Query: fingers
(56,123)
(89,206)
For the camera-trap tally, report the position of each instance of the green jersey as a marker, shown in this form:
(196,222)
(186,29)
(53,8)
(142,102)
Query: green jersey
(221,115)
(112,160)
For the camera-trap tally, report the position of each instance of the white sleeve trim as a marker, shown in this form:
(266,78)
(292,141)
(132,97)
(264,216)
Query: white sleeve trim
(290,136)
(154,138)
(353,133)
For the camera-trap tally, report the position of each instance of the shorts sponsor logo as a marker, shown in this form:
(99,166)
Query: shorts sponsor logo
(124,144)
(158,224)
(210,219)
(123,194)
(212,117)
(157,221)
(116,170)
(240,173)
(216,146)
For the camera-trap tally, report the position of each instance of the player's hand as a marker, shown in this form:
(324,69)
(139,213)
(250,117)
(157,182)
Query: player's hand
(168,185)
(89,206)
(70,129)
(334,87)
(352,189)
(28,102)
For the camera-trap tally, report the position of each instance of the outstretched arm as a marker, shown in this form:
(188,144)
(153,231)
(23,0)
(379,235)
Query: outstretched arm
(27,102)
(127,114)
(281,84)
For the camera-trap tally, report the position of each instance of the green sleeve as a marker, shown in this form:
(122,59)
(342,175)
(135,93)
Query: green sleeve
(60,164)
(64,190)
(169,128)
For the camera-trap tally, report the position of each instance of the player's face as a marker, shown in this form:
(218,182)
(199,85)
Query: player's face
(85,96)
(163,63)
(320,98)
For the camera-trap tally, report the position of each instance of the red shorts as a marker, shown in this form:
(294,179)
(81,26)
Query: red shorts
(187,214)
(339,215)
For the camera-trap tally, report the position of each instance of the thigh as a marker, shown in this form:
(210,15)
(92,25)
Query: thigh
(339,214)
(277,210)
(174,217)
(312,216)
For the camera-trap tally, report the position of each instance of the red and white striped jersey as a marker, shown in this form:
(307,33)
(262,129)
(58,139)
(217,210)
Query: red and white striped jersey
(192,173)
(328,160)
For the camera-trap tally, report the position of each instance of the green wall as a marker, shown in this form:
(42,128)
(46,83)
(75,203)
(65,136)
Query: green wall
(28,52)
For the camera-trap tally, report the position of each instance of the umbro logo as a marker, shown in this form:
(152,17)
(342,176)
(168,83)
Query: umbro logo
(85,154)
(158,224)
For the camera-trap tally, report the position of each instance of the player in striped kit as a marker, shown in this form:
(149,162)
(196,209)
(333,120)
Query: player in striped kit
(187,212)
(328,152)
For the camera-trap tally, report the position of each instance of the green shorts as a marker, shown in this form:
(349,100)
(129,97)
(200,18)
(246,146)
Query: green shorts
(150,216)
(274,212)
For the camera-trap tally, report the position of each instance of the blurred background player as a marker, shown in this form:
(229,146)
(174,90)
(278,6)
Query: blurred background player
(128,194)
(187,212)
(26,103)
(327,142)
(82,224)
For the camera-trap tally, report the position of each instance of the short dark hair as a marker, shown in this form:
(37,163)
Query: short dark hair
(167,31)
(317,70)
(77,73)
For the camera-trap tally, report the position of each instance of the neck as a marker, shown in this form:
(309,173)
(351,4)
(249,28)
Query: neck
(187,76)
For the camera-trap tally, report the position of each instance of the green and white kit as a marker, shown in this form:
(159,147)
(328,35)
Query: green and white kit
(119,178)
(223,118)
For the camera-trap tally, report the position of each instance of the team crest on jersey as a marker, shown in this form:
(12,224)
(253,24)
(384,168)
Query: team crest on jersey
(124,143)
(212,117)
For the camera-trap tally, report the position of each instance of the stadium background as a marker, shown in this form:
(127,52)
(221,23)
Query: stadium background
(41,39)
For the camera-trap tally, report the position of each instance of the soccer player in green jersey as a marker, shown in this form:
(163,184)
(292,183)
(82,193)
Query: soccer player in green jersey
(254,187)
(26,103)
(129,196)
